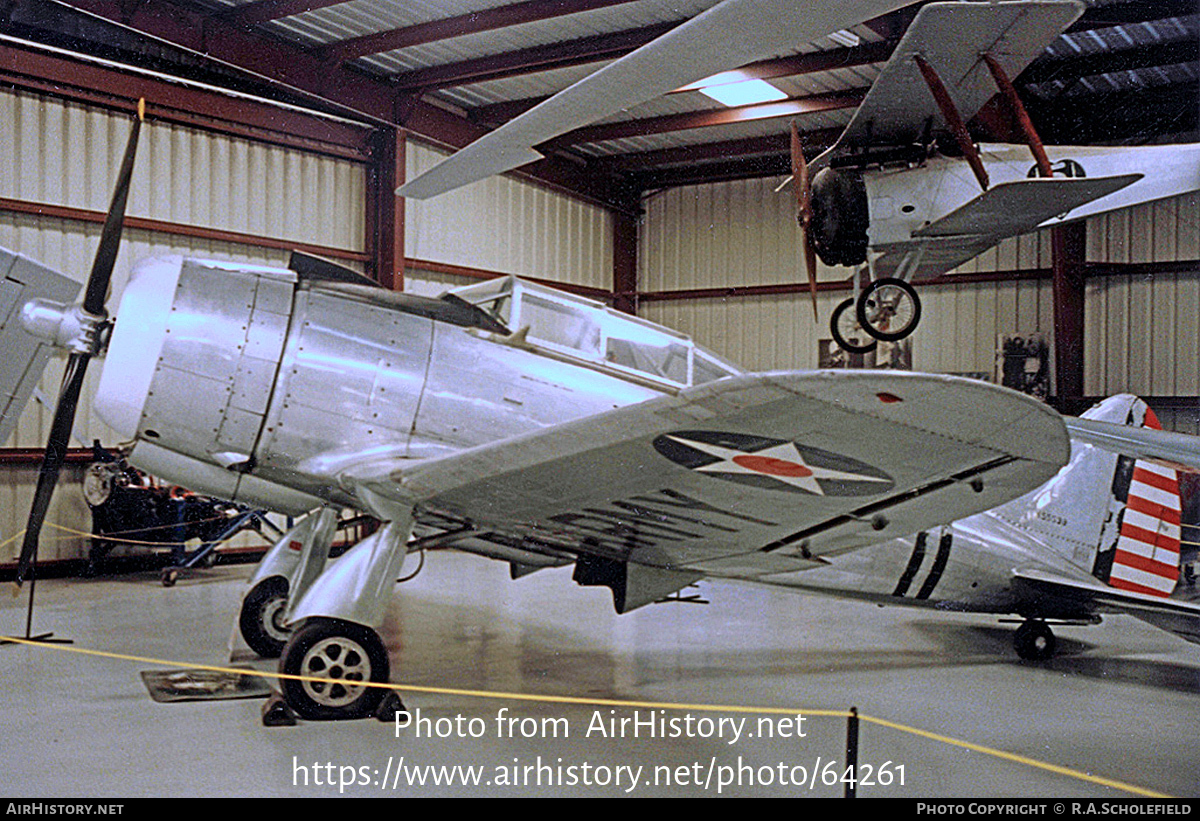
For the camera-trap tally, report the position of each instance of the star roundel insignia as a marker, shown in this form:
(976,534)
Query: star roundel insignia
(772,464)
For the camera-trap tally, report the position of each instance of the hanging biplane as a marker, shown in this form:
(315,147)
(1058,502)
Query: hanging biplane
(904,192)
(524,424)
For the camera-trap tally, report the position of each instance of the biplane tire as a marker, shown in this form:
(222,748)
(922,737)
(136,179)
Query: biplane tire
(331,655)
(261,618)
(843,323)
(889,309)
(1034,641)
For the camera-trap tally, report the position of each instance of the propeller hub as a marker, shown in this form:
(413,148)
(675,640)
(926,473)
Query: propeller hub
(69,327)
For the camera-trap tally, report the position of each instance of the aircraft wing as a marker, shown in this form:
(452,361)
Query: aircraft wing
(763,472)
(730,34)
(23,357)
(899,108)
(1002,211)
(1175,450)
(1179,617)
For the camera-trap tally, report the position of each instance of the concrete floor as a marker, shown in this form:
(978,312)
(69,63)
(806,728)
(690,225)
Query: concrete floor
(1121,701)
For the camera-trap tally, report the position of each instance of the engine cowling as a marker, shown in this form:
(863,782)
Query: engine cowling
(840,217)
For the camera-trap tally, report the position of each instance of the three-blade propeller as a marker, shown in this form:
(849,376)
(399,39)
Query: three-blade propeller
(804,213)
(94,298)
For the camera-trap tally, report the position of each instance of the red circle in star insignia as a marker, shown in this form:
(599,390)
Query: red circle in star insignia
(770,466)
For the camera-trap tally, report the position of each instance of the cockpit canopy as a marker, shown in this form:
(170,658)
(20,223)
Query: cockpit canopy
(587,330)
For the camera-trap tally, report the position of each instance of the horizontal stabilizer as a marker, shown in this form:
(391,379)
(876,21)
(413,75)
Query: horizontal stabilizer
(1176,450)
(1179,617)
(1016,207)
(24,356)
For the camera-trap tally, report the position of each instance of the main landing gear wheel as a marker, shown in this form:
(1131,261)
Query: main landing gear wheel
(332,655)
(847,333)
(1034,641)
(261,619)
(889,309)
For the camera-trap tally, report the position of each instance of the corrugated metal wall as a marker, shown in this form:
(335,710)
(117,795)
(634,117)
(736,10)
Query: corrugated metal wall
(1142,331)
(59,153)
(506,225)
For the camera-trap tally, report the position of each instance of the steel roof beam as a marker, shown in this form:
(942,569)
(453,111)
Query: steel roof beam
(264,11)
(531,60)
(530,11)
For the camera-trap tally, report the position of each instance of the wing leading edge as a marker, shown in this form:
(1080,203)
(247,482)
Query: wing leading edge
(728,35)
(768,471)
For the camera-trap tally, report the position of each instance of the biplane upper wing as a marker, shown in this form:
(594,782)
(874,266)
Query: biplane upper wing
(730,34)
(766,471)
(952,37)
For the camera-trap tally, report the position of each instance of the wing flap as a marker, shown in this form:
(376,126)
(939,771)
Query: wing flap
(24,357)
(790,464)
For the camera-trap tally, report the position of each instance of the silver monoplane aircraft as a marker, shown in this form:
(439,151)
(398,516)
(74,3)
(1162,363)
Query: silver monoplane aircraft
(531,426)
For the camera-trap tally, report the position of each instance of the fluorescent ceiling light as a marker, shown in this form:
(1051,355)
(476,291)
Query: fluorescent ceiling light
(845,38)
(747,92)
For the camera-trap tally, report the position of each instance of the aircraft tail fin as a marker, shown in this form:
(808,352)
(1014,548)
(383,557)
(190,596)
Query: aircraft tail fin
(23,357)
(1145,557)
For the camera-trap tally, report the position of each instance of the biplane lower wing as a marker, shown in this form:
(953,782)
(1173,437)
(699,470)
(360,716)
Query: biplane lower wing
(1002,211)
(770,470)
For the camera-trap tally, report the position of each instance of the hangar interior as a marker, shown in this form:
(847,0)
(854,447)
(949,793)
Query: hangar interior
(284,125)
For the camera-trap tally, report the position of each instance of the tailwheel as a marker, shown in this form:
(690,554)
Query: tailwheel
(847,332)
(1034,641)
(261,620)
(889,309)
(333,656)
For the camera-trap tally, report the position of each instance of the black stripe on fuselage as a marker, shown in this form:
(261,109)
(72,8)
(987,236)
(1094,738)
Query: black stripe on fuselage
(914,564)
(939,567)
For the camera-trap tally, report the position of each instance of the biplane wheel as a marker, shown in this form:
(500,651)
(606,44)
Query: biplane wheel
(261,619)
(331,655)
(847,333)
(1034,641)
(889,309)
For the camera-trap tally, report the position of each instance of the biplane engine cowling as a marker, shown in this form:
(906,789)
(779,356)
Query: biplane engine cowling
(839,216)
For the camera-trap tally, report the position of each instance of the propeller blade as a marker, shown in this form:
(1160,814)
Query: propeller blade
(110,238)
(94,298)
(804,213)
(56,452)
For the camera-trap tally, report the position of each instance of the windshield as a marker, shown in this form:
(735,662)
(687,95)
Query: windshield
(585,329)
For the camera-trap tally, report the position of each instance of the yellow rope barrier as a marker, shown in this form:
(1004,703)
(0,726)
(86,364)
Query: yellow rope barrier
(604,702)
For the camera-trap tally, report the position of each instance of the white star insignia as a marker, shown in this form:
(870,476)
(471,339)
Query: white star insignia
(783,463)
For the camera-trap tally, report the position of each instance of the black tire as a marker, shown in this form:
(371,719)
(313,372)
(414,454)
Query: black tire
(333,652)
(261,619)
(1034,641)
(847,340)
(904,305)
